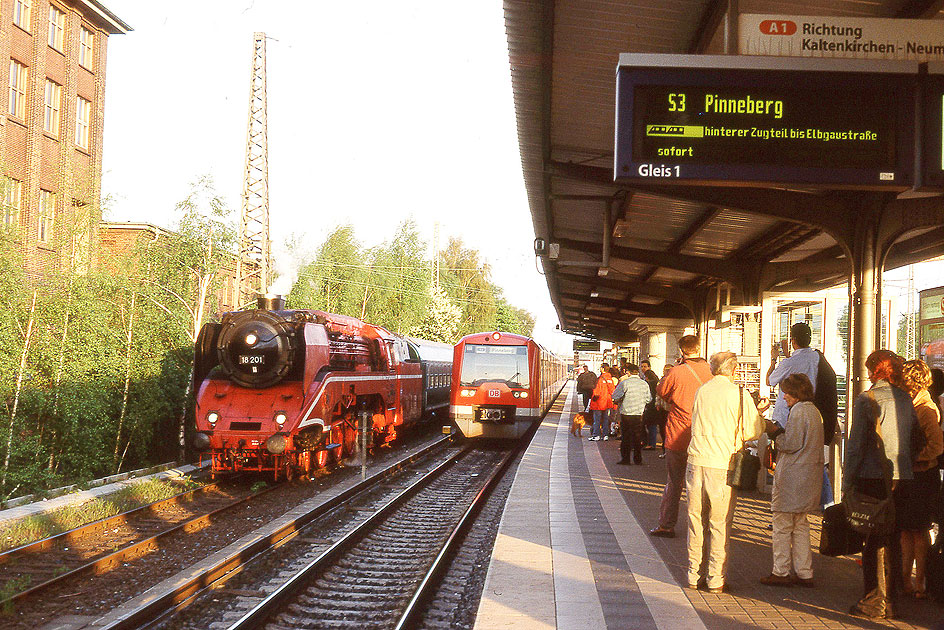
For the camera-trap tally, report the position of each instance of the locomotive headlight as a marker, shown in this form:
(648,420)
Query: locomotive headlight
(467,393)
(524,394)
(280,418)
(212,417)
(276,444)
(251,339)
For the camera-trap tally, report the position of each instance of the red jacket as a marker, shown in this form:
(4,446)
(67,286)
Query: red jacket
(603,392)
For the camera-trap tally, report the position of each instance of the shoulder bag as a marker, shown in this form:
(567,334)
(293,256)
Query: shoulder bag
(743,465)
(867,514)
(837,538)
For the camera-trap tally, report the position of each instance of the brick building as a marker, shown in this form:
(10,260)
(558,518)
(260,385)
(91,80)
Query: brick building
(51,136)
(119,239)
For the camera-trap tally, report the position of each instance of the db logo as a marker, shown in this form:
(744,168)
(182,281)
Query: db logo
(778,27)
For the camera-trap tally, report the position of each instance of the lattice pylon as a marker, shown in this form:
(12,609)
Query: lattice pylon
(252,265)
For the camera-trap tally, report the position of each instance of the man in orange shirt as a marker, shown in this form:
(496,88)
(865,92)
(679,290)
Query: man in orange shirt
(677,390)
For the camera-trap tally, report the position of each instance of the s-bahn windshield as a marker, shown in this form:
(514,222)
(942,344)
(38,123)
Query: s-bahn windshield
(490,364)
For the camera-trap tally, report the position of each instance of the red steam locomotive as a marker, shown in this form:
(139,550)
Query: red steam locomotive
(287,390)
(502,383)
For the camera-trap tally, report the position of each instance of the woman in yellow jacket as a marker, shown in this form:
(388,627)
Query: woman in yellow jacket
(918,494)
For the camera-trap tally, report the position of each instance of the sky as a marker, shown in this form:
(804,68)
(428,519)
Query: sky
(377,112)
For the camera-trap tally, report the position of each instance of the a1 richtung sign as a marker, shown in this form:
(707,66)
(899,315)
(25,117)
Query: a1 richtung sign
(840,36)
(737,120)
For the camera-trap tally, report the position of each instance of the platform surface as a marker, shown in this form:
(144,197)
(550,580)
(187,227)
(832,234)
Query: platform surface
(573,552)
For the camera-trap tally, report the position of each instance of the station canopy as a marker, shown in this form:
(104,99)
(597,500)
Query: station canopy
(619,256)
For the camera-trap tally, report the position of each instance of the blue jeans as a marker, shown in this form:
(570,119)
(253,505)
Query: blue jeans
(601,423)
(653,434)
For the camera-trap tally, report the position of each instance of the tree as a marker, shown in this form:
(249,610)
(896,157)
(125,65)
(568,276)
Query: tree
(179,275)
(442,319)
(336,279)
(467,280)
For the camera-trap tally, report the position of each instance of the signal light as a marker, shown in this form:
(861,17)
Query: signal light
(496,336)
(212,417)
(280,419)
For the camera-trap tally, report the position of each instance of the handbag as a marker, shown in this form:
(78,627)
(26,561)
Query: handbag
(837,538)
(867,514)
(934,576)
(743,465)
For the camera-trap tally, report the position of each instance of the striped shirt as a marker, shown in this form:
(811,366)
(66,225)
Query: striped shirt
(635,395)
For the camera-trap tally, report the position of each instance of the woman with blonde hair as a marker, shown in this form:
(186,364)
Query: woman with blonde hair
(917,495)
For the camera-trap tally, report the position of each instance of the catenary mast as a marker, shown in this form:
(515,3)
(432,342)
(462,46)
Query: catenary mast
(252,265)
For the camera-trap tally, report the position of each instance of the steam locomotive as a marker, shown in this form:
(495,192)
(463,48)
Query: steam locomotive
(502,383)
(289,391)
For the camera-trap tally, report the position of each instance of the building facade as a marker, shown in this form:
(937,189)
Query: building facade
(51,135)
(118,240)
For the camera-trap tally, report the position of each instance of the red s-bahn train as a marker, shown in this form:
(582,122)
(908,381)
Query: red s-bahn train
(502,383)
(286,390)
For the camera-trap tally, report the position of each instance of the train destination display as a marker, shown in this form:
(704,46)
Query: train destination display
(779,124)
(932,166)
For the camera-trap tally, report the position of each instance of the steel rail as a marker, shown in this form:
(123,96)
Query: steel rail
(104,563)
(258,615)
(439,566)
(101,524)
(162,605)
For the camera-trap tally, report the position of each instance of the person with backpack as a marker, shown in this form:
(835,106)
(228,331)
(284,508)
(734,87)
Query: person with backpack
(812,363)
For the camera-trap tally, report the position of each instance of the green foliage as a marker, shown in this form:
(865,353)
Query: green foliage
(390,285)
(133,321)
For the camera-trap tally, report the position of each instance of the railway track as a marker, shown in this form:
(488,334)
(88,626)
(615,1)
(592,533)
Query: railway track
(98,547)
(375,563)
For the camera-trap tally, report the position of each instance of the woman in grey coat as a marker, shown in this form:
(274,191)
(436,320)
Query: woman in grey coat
(798,479)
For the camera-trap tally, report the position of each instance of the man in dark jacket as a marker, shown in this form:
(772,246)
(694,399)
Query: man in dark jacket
(586,381)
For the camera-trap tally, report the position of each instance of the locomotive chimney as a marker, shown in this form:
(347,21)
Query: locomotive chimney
(269,302)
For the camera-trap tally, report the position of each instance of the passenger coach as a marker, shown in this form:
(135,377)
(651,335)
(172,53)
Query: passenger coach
(502,383)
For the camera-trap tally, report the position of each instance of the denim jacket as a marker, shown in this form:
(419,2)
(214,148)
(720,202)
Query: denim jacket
(897,419)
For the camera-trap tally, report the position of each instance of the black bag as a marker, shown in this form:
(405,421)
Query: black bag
(826,398)
(650,415)
(934,572)
(743,465)
(836,537)
(868,515)
(743,469)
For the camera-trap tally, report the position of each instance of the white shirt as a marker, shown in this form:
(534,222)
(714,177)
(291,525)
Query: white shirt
(802,361)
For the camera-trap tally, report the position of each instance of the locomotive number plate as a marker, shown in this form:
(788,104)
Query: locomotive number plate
(250,359)
(494,393)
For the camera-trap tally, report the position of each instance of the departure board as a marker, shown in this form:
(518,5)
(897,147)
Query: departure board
(800,121)
(932,136)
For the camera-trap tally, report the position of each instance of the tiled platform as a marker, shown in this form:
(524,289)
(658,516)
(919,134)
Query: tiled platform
(573,552)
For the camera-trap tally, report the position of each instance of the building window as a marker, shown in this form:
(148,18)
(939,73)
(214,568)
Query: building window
(57,28)
(86,43)
(21,13)
(83,118)
(53,107)
(47,215)
(18,78)
(12,202)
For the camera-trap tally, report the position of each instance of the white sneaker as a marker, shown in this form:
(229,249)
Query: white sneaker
(594,438)
(606,437)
